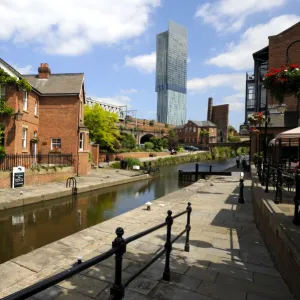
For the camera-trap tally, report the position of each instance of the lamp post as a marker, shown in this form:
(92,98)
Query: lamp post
(267,120)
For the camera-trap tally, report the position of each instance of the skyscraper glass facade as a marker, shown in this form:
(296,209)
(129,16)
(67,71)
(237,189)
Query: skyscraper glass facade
(171,69)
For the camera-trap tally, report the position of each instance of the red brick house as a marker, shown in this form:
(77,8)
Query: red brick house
(52,112)
(190,133)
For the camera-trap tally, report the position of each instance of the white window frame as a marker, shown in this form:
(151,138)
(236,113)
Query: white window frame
(2,91)
(194,129)
(81,141)
(55,143)
(24,137)
(36,108)
(25,100)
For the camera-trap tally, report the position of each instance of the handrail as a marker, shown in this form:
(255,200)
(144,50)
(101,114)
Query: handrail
(119,249)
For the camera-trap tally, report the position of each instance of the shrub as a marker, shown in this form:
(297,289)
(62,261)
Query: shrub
(2,151)
(132,162)
(148,145)
(115,165)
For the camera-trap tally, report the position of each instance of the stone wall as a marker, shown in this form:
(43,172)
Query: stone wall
(112,157)
(38,177)
(285,252)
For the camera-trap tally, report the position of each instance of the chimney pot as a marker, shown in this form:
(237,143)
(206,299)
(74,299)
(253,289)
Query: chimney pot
(44,71)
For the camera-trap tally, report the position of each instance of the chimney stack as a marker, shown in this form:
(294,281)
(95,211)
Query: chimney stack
(44,71)
(209,109)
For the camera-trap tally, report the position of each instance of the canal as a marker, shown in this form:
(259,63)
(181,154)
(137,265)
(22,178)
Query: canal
(26,228)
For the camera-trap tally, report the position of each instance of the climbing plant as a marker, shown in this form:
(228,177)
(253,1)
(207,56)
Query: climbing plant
(7,80)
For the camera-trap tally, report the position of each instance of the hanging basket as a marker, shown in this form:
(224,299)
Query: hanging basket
(283,81)
(34,140)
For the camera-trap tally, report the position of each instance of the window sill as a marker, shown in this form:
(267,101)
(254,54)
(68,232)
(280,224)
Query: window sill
(25,111)
(24,151)
(36,116)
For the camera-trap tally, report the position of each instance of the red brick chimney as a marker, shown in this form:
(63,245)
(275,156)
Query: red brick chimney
(44,71)
(210,109)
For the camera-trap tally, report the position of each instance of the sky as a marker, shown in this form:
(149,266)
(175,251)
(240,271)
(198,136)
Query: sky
(113,42)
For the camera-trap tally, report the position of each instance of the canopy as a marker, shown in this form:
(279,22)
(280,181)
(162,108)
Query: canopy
(272,142)
(290,134)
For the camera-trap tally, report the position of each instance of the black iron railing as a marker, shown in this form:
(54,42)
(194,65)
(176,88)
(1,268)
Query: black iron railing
(10,161)
(118,249)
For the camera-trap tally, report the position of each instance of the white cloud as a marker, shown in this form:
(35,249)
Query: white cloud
(239,56)
(231,80)
(72,27)
(230,15)
(128,91)
(23,70)
(236,102)
(144,63)
(118,100)
(188,60)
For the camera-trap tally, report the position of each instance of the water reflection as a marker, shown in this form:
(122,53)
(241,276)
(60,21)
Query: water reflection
(29,227)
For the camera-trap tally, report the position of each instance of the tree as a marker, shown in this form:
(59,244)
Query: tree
(148,146)
(156,142)
(173,139)
(102,126)
(164,143)
(151,122)
(233,138)
(128,141)
(204,135)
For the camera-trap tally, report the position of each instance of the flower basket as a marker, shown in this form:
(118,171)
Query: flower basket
(34,140)
(257,118)
(254,131)
(283,81)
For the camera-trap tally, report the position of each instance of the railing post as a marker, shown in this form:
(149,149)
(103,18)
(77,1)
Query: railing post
(117,291)
(296,219)
(168,246)
(267,178)
(278,194)
(188,228)
(241,194)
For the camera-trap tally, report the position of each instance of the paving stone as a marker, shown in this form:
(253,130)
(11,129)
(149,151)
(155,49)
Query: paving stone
(142,285)
(185,282)
(220,292)
(202,274)
(171,292)
(49,294)
(84,285)
(269,280)
(253,296)
(149,248)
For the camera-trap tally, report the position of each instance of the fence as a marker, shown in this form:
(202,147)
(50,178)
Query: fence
(118,249)
(9,161)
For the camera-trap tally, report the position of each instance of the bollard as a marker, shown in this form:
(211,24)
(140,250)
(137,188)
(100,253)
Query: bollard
(168,247)
(241,195)
(117,291)
(196,172)
(296,219)
(188,228)
(210,168)
(267,178)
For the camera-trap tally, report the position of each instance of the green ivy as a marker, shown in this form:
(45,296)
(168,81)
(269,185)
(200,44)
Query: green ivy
(5,109)
(10,80)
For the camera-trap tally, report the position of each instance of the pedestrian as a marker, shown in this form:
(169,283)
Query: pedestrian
(237,159)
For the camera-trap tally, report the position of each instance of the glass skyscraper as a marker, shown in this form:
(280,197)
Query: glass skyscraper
(171,69)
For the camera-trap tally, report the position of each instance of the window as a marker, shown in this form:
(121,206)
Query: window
(25,100)
(35,108)
(24,137)
(190,129)
(2,91)
(81,141)
(55,144)
(186,129)
(194,129)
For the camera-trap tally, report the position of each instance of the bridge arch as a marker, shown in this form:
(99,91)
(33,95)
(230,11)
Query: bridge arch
(146,138)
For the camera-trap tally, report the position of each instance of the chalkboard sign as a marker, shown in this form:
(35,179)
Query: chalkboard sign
(18,177)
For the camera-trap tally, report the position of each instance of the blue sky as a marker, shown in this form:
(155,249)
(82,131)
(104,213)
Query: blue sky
(113,43)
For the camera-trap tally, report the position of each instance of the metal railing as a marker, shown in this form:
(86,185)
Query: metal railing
(10,161)
(118,249)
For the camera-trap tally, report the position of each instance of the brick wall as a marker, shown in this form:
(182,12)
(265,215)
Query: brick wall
(95,154)
(277,54)
(220,118)
(283,250)
(38,177)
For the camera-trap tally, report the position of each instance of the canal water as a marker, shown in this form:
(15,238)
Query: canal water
(26,228)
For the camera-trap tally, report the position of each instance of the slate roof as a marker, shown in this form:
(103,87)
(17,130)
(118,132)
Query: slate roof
(68,83)
(204,123)
(179,127)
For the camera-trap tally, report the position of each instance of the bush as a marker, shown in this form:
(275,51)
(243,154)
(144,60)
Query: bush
(132,162)
(115,165)
(180,149)
(148,145)
(2,151)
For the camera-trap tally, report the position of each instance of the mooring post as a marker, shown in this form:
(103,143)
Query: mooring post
(241,195)
(196,171)
(267,178)
(210,168)
(117,290)
(296,219)
(188,228)
(168,246)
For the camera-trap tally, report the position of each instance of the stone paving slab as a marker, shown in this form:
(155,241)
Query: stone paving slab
(227,258)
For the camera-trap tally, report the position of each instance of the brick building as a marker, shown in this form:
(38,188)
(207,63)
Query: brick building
(52,112)
(190,133)
(282,116)
(218,115)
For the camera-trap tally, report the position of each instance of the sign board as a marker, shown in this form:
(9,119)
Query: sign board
(17,220)
(18,177)
(244,129)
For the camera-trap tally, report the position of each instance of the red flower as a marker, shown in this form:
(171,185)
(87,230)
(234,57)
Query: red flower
(294,66)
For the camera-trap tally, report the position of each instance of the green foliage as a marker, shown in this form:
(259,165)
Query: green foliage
(148,145)
(151,122)
(164,143)
(180,149)
(90,157)
(116,165)
(157,142)
(243,150)
(166,125)
(128,141)
(223,152)
(204,133)
(233,138)
(6,79)
(132,162)
(2,151)
(5,109)
(102,127)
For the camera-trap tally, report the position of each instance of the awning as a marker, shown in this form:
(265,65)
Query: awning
(290,134)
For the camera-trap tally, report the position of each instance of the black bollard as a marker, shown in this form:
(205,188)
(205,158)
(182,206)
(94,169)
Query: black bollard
(168,247)
(188,228)
(241,195)
(267,178)
(196,172)
(210,168)
(296,219)
(117,291)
